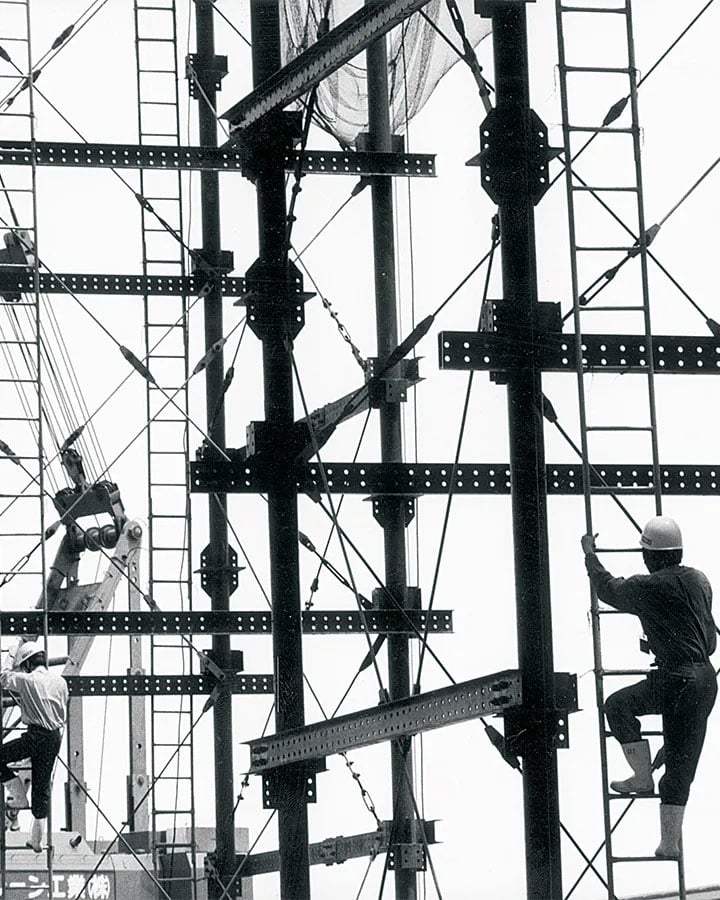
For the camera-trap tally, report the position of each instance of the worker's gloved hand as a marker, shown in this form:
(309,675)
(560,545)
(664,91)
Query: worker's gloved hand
(587,542)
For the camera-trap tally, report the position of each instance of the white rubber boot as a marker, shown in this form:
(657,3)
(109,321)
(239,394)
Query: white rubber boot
(16,794)
(637,755)
(34,841)
(671,819)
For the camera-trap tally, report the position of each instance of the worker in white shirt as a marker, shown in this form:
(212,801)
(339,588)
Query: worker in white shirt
(42,697)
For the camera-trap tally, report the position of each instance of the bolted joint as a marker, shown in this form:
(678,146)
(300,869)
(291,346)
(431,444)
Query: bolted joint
(223,263)
(390,389)
(393,509)
(514,155)
(520,721)
(486,8)
(407,598)
(282,786)
(272,443)
(204,74)
(411,857)
(218,562)
(263,146)
(274,299)
(525,339)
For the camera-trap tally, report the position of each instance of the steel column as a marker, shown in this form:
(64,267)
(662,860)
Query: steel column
(292,816)
(527,464)
(393,520)
(218,585)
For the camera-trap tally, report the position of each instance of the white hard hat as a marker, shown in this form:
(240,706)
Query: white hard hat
(28,649)
(661,533)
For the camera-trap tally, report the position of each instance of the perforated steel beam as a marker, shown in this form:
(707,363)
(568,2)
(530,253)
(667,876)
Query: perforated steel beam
(136,685)
(675,355)
(244,477)
(378,621)
(332,851)
(333,50)
(411,715)
(14,280)
(220,159)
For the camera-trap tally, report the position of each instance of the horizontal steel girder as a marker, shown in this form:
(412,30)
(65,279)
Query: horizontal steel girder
(330,52)
(136,685)
(22,280)
(331,851)
(220,476)
(377,621)
(458,703)
(487,351)
(221,159)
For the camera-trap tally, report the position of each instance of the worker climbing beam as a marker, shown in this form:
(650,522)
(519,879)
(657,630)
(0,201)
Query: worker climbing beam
(111,624)
(671,354)
(216,159)
(245,477)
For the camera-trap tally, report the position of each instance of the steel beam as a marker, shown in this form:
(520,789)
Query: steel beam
(333,50)
(378,621)
(210,159)
(157,685)
(672,354)
(514,182)
(488,695)
(245,477)
(332,851)
(15,279)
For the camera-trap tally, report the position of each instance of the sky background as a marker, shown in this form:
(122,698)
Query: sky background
(89,222)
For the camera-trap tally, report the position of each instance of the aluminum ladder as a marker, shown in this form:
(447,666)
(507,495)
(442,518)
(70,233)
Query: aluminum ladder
(602,241)
(166,348)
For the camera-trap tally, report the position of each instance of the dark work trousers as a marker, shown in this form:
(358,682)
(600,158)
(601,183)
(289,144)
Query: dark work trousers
(41,746)
(684,696)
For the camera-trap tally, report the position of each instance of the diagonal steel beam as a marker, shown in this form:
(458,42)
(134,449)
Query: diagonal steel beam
(488,695)
(333,50)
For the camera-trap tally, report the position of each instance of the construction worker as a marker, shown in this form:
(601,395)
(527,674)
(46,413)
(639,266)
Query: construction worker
(673,604)
(42,697)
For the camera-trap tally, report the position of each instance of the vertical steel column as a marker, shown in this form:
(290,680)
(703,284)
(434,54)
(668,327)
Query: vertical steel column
(282,495)
(218,584)
(527,464)
(393,508)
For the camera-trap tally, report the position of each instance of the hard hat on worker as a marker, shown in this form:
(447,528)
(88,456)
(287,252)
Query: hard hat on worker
(28,649)
(661,533)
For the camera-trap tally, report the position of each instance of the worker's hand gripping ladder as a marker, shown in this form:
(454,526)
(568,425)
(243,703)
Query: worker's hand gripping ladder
(608,236)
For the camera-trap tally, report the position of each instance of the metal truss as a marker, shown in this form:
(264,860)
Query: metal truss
(488,695)
(141,685)
(377,621)
(217,159)
(241,477)
(334,850)
(15,280)
(333,50)
(486,351)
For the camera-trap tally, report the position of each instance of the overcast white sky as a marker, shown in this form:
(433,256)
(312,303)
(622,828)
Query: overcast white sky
(89,222)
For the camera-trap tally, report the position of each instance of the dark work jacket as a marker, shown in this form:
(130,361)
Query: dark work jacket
(674,606)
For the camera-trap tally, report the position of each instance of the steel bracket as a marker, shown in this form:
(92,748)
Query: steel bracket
(486,8)
(203,73)
(278,783)
(224,262)
(514,156)
(382,598)
(388,509)
(219,562)
(389,389)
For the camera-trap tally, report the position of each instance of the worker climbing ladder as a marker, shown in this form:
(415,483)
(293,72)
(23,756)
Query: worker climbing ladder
(608,248)
(166,347)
